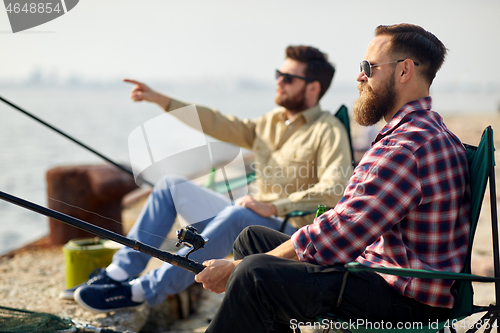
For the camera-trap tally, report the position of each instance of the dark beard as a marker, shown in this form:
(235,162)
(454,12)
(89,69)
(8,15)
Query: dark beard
(371,107)
(294,103)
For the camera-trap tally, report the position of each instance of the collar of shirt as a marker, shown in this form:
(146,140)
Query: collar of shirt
(419,104)
(309,115)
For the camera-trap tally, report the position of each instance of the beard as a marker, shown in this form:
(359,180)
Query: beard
(295,103)
(372,106)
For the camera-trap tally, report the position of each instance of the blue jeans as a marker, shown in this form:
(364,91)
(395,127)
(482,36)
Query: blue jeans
(156,219)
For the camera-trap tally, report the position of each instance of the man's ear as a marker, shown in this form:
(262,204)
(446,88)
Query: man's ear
(314,88)
(407,70)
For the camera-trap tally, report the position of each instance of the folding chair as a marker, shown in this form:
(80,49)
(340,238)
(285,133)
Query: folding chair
(481,168)
(342,114)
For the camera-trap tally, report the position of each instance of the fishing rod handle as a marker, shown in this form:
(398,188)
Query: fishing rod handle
(193,266)
(173,259)
(177,260)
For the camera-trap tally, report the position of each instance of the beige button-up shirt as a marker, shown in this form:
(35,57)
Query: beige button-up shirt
(299,164)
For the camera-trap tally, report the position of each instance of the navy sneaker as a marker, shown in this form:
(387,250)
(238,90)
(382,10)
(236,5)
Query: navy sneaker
(105,297)
(98,276)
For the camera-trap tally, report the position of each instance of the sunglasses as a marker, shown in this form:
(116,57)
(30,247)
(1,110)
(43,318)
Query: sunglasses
(366,67)
(288,78)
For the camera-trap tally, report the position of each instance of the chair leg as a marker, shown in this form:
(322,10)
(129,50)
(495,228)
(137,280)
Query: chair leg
(491,322)
(488,330)
(494,230)
(283,224)
(488,321)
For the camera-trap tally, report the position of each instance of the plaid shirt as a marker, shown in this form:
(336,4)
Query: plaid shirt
(407,205)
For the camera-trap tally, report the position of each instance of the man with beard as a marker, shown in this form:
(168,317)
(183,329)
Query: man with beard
(406,205)
(302,159)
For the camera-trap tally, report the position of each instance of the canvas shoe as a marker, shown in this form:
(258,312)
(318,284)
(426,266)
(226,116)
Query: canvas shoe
(105,297)
(98,276)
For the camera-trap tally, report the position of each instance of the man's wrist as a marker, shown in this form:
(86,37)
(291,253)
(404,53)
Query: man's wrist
(163,101)
(274,210)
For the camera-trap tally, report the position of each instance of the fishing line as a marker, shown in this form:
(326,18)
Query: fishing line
(81,144)
(185,237)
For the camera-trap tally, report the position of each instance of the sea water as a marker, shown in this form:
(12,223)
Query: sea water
(102,117)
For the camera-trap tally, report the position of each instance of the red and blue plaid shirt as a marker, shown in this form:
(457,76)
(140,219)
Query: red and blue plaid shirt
(406,205)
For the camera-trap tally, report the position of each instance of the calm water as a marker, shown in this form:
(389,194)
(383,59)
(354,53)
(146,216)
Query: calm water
(103,118)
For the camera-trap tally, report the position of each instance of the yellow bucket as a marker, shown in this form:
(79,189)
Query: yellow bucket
(83,255)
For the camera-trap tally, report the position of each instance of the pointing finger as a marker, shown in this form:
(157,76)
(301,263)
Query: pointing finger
(133,82)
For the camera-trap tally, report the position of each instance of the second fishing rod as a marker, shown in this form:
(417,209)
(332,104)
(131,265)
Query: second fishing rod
(78,142)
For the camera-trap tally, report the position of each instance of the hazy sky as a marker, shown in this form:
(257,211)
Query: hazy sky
(161,39)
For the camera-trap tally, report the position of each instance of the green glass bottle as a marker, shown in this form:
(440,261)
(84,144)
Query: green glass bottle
(321,210)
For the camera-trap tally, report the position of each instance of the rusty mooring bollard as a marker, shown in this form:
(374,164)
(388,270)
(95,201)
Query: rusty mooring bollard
(91,193)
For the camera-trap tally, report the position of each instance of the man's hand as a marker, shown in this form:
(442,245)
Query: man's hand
(217,271)
(214,277)
(141,92)
(261,208)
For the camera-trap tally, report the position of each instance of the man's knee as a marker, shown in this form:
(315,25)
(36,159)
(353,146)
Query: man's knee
(244,244)
(170,181)
(234,212)
(236,215)
(240,241)
(166,184)
(248,234)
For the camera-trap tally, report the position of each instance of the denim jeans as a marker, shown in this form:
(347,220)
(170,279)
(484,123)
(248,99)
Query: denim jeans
(221,224)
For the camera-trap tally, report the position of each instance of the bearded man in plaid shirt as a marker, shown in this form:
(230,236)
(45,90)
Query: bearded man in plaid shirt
(407,205)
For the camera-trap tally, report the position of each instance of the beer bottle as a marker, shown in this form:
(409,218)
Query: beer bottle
(321,210)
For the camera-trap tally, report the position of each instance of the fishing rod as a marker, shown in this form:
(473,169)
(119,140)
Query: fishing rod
(188,237)
(72,139)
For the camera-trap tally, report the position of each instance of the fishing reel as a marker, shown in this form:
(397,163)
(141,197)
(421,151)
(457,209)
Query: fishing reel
(191,238)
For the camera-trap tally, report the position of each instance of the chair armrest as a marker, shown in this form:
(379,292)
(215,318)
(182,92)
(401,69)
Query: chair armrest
(419,273)
(294,214)
(234,183)
(300,213)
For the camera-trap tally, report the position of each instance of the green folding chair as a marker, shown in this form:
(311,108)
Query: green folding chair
(343,115)
(224,187)
(481,168)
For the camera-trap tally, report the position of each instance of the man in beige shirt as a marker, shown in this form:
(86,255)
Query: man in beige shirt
(302,159)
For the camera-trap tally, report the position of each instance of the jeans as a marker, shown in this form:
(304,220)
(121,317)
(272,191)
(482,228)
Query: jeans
(208,211)
(269,294)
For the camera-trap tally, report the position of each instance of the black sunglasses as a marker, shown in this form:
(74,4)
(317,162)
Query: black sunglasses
(288,78)
(366,67)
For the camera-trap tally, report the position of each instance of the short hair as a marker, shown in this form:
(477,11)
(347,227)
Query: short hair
(317,66)
(418,44)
